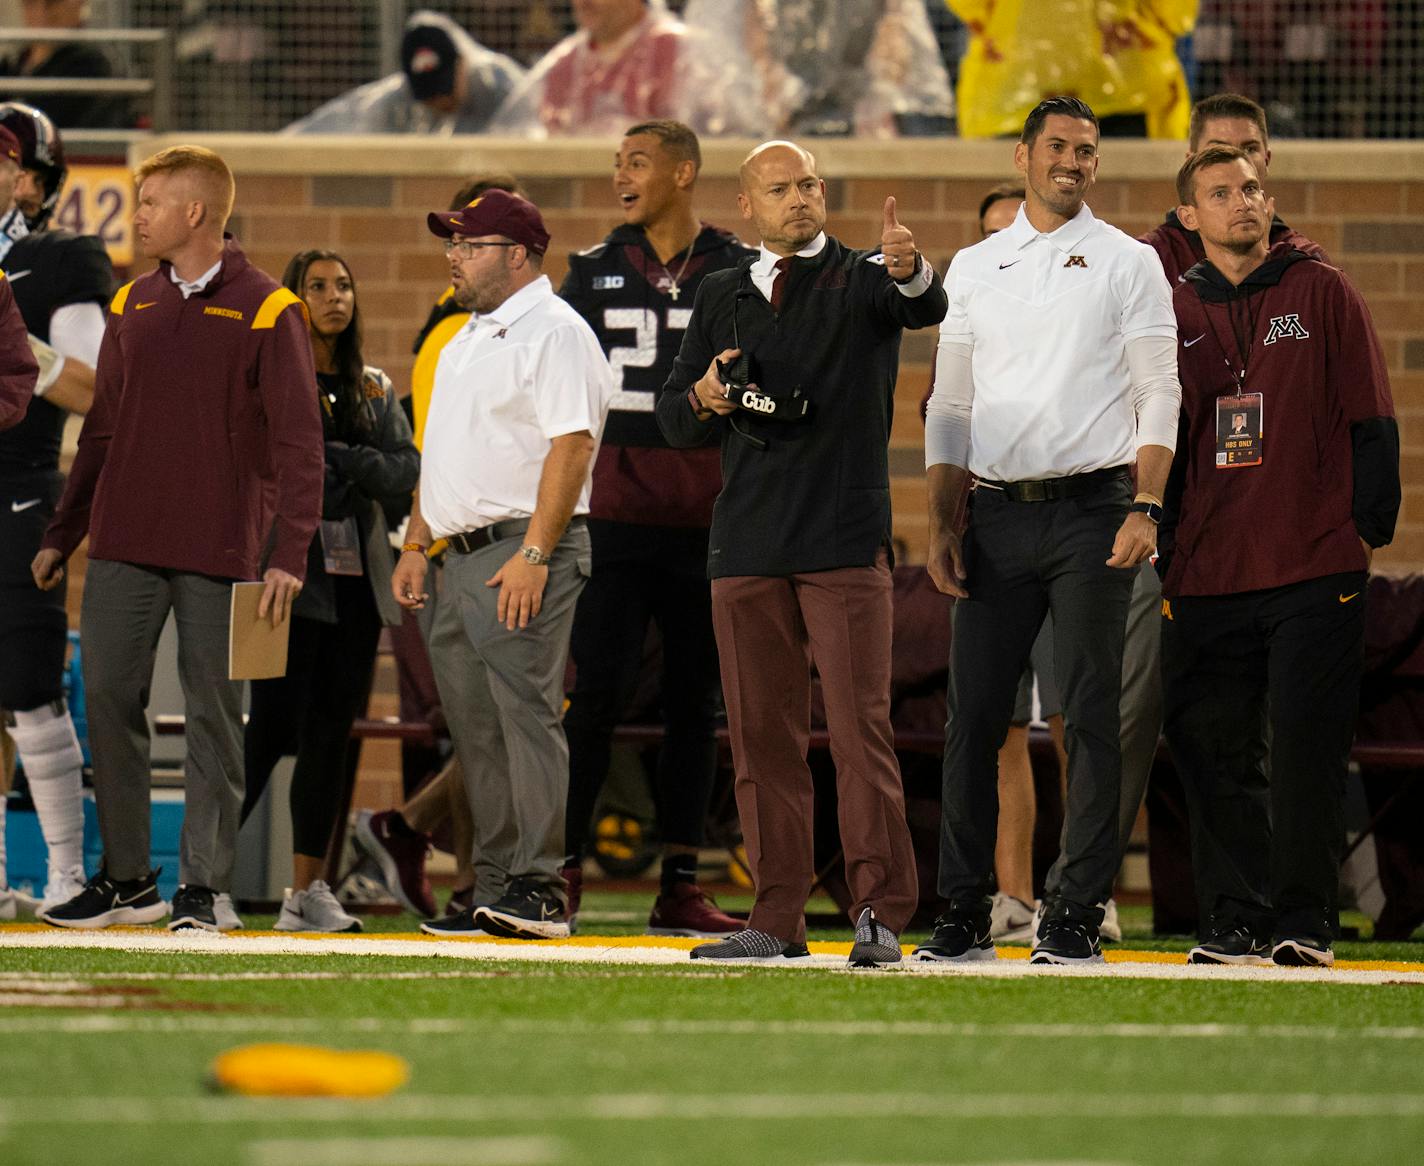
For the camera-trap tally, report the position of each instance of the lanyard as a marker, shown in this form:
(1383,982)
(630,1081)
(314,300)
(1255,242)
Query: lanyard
(1243,345)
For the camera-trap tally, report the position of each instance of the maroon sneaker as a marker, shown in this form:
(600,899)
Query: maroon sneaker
(401,857)
(573,882)
(689,910)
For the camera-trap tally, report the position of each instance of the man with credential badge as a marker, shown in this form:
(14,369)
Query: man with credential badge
(1263,631)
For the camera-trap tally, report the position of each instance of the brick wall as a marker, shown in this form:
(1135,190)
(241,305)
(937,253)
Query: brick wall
(366,198)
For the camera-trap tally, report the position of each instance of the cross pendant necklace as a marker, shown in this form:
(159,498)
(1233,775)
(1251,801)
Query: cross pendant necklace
(674,290)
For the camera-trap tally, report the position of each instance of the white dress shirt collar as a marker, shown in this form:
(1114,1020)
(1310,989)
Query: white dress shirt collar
(521,303)
(189,286)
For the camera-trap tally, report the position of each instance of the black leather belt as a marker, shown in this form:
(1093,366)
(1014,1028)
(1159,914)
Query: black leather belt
(1052,489)
(468,541)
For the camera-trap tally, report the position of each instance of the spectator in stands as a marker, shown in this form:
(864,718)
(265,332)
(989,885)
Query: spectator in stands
(799,547)
(204,434)
(648,519)
(67,61)
(1120,57)
(398,840)
(505,479)
(448,84)
(1263,635)
(371,466)
(630,61)
(65,282)
(871,68)
(1223,119)
(1053,526)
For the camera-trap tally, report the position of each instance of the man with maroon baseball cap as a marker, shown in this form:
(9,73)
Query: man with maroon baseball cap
(505,480)
(495,212)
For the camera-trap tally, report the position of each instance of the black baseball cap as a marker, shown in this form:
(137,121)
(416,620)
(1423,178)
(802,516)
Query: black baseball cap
(429,58)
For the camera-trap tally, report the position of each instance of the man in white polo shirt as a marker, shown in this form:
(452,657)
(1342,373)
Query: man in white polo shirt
(1056,372)
(518,404)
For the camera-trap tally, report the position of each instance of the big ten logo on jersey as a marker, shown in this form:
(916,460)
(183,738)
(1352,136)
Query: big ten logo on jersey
(99,200)
(642,353)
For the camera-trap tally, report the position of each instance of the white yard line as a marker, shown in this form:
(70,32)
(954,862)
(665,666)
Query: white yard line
(633,954)
(188,1022)
(458,1109)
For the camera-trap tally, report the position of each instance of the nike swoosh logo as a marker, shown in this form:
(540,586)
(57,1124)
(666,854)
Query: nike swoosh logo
(122,902)
(1004,265)
(140,307)
(1189,343)
(1347,598)
(12,276)
(16,507)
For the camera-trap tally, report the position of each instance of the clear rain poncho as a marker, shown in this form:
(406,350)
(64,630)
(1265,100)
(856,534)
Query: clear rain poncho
(660,68)
(388,106)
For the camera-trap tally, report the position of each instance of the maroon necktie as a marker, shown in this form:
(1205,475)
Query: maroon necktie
(778,285)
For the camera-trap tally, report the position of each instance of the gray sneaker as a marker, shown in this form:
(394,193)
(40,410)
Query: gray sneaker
(1011,920)
(875,944)
(225,913)
(314,909)
(751,945)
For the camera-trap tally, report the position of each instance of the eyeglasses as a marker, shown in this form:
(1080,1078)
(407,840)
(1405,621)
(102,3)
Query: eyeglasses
(466,250)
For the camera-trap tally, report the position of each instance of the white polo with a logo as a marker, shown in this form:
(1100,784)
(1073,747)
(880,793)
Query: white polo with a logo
(507,384)
(1049,318)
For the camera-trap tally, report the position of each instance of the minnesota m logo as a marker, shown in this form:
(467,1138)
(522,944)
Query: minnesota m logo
(1076,261)
(1285,327)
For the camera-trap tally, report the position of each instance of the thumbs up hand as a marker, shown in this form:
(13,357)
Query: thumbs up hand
(897,245)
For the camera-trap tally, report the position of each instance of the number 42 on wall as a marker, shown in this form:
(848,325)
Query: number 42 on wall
(99,200)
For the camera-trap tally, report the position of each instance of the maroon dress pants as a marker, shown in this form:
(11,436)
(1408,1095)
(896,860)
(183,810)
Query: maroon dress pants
(769,630)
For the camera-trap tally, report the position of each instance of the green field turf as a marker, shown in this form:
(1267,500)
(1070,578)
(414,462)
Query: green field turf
(519,1063)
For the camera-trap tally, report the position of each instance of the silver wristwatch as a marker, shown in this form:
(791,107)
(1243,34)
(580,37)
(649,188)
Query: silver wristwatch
(534,555)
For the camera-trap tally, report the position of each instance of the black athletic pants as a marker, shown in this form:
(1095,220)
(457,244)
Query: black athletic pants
(309,712)
(1281,665)
(643,573)
(34,628)
(1024,559)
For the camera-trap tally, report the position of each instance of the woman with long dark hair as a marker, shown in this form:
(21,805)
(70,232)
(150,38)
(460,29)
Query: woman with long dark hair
(371,467)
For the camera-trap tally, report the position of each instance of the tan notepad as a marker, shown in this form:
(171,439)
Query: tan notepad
(255,649)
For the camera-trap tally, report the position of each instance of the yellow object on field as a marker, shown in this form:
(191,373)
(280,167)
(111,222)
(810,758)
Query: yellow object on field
(282,1070)
(1117,55)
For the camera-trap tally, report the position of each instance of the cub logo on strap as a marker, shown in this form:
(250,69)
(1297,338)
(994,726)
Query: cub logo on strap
(1286,328)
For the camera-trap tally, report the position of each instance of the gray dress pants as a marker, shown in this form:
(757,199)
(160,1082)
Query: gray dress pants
(122,616)
(503,696)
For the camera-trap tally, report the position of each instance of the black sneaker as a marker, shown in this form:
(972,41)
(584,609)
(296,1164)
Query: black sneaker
(1064,940)
(1303,953)
(875,944)
(457,922)
(1231,945)
(529,909)
(193,908)
(959,937)
(104,902)
(751,945)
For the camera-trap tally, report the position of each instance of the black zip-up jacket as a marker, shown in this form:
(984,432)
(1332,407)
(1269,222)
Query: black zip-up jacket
(810,495)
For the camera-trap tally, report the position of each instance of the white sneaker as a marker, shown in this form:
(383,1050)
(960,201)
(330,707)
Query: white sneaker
(62,885)
(1011,919)
(225,913)
(15,902)
(1110,930)
(314,909)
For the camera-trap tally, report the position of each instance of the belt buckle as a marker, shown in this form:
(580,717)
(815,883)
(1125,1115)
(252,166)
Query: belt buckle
(1033,491)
